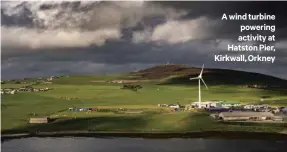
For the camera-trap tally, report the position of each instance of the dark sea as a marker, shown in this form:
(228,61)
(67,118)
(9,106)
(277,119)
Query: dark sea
(140,145)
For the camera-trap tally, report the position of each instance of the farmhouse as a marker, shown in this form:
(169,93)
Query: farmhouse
(8,91)
(244,116)
(38,120)
(174,106)
(117,81)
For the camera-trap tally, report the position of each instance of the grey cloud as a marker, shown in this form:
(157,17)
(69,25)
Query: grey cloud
(20,69)
(281,44)
(69,38)
(126,57)
(74,24)
(178,31)
(19,37)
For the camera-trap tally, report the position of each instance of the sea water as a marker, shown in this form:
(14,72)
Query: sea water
(140,145)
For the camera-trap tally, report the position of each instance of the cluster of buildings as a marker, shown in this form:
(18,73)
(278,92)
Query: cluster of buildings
(258,86)
(67,98)
(116,110)
(46,80)
(42,80)
(234,111)
(126,81)
(83,109)
(173,106)
(28,88)
(216,104)
(23,89)
(8,91)
(220,106)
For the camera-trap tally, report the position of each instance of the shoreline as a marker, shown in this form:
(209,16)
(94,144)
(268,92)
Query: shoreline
(153,135)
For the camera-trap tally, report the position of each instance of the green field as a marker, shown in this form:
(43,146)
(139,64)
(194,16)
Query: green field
(94,91)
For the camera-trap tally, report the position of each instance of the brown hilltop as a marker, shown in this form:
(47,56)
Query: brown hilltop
(181,74)
(163,71)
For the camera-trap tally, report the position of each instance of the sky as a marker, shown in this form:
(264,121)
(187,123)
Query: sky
(40,38)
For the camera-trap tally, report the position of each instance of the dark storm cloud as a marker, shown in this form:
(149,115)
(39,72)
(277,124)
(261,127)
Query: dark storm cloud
(144,35)
(108,59)
(216,9)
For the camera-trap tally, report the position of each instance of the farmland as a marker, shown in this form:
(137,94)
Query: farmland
(97,91)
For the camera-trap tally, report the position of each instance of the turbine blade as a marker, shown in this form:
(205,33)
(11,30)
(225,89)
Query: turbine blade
(201,70)
(193,78)
(204,83)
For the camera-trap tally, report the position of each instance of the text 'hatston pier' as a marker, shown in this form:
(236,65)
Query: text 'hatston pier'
(260,47)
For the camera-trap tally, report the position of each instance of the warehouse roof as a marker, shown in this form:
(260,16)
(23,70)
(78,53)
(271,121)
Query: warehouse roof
(246,114)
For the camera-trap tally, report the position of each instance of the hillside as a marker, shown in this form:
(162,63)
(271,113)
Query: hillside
(180,74)
(94,91)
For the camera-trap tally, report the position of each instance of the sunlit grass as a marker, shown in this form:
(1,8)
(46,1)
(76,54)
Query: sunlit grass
(80,91)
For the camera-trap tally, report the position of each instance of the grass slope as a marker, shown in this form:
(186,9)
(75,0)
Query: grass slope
(94,91)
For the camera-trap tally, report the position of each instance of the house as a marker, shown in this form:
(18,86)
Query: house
(230,104)
(117,81)
(39,120)
(36,90)
(174,106)
(50,79)
(244,116)
(12,92)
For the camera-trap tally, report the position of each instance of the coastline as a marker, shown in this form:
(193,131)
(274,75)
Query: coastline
(154,135)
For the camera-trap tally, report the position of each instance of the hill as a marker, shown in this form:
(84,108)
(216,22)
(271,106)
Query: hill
(94,91)
(180,74)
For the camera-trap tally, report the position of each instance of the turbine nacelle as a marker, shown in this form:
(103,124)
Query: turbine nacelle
(200,77)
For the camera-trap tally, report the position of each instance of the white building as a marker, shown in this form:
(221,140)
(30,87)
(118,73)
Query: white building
(207,104)
(248,106)
(229,104)
(12,92)
(174,106)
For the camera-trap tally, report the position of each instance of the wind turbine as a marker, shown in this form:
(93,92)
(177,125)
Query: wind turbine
(199,77)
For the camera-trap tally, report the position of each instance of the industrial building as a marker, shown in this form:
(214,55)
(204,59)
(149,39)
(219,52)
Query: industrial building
(245,116)
(217,104)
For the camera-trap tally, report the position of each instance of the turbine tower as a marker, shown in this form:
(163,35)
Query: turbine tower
(199,77)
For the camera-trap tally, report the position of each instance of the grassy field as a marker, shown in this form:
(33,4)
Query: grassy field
(94,91)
